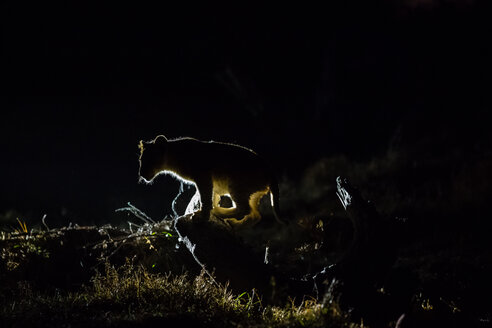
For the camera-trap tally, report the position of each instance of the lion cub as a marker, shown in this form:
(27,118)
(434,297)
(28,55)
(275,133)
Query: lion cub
(217,169)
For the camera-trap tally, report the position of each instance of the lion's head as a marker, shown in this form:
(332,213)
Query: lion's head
(152,158)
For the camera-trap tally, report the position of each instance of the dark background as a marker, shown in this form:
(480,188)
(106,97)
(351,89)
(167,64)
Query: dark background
(83,84)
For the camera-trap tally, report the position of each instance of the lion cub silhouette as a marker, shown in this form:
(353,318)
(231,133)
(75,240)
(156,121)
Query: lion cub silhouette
(217,169)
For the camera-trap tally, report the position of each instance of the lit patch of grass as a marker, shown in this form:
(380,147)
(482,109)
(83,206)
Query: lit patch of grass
(131,296)
(308,314)
(23,227)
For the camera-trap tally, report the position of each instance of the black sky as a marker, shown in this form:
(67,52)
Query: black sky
(82,84)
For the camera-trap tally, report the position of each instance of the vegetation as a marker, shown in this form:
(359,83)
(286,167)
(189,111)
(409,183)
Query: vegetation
(131,294)
(144,276)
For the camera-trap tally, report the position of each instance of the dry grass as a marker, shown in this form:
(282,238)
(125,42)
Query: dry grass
(79,277)
(130,296)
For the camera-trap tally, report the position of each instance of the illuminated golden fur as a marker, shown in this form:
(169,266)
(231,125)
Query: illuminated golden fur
(217,169)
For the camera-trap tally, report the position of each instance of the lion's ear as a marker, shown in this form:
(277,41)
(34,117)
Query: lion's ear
(160,139)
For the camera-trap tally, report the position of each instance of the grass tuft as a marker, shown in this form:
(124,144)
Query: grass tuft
(23,227)
(130,295)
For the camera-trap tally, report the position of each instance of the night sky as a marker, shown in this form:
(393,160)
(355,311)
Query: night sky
(83,84)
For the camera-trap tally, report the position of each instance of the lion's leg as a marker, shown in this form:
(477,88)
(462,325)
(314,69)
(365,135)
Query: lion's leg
(240,197)
(204,188)
(225,212)
(252,214)
(216,200)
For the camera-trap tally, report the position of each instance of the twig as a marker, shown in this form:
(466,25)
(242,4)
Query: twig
(130,224)
(191,248)
(44,222)
(138,213)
